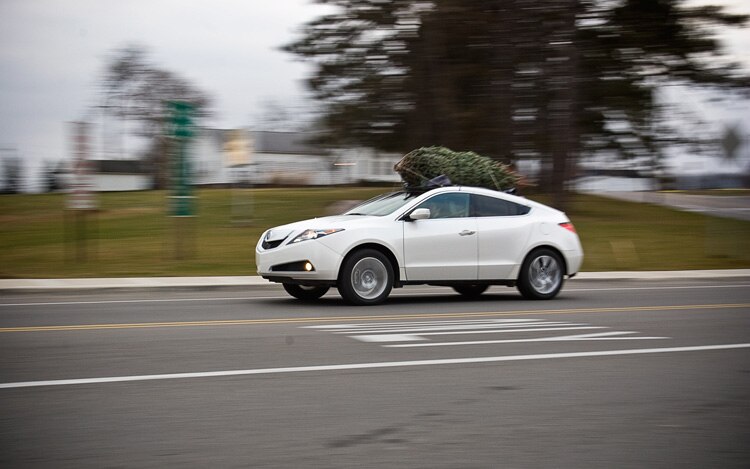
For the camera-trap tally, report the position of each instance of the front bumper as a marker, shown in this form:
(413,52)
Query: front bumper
(274,264)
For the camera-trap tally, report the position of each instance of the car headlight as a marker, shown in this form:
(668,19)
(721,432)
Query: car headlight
(314,234)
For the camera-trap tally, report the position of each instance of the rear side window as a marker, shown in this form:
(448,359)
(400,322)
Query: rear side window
(484,206)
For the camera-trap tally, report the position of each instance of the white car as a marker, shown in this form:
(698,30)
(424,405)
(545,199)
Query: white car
(464,237)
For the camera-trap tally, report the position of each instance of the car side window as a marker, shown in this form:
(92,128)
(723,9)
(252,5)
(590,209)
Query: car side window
(454,205)
(484,206)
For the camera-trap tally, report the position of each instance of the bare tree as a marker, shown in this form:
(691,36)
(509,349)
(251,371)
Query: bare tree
(136,89)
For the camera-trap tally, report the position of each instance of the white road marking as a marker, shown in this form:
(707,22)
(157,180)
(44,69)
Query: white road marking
(420,331)
(369,326)
(388,338)
(453,326)
(565,338)
(557,326)
(521,326)
(406,337)
(412,330)
(364,366)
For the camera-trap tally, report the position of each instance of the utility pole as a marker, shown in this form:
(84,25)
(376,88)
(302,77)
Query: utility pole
(81,202)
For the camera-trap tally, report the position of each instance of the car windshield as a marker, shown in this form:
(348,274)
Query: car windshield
(383,204)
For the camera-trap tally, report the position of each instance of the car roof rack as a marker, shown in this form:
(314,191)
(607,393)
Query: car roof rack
(444,181)
(434,183)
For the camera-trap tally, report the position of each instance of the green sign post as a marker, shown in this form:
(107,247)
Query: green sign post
(182,130)
(182,204)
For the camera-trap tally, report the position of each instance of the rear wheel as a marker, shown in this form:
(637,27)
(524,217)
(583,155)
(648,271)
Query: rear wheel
(471,291)
(541,275)
(366,278)
(304,292)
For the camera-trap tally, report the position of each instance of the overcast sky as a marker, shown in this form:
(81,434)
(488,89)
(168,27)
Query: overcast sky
(52,54)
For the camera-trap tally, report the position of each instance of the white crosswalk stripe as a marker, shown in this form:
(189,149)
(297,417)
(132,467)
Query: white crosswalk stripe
(430,333)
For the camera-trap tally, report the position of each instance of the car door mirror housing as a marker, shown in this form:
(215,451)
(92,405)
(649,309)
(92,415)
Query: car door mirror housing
(420,214)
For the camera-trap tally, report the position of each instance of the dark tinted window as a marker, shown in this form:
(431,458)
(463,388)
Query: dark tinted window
(455,205)
(492,207)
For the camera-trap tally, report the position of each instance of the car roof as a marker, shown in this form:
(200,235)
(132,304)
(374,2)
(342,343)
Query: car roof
(491,193)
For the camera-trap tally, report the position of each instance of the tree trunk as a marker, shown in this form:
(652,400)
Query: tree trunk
(561,79)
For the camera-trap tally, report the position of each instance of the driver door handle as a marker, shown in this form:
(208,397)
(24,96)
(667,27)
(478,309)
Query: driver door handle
(466,233)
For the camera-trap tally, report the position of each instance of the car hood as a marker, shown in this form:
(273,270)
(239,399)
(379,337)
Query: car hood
(338,221)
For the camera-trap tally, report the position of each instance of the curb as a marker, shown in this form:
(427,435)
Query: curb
(18,285)
(130,282)
(664,274)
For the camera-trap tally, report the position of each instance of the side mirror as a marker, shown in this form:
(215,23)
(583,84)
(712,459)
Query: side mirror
(420,214)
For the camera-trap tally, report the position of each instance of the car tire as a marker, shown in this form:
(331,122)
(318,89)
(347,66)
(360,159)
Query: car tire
(366,278)
(304,292)
(471,291)
(542,275)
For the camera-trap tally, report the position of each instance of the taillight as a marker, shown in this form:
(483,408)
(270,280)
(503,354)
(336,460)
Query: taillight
(568,226)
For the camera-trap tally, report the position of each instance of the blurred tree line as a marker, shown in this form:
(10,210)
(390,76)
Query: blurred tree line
(136,89)
(511,79)
(11,171)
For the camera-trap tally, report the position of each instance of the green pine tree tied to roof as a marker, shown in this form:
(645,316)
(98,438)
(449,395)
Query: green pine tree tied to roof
(462,168)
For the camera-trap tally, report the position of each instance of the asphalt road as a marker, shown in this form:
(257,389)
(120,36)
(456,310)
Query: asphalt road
(611,374)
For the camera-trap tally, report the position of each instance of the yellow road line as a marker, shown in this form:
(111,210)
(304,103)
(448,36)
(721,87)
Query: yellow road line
(390,317)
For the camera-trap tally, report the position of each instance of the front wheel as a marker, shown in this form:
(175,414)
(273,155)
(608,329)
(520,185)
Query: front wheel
(304,292)
(366,278)
(541,275)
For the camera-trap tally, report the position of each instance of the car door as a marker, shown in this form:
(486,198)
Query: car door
(503,230)
(443,247)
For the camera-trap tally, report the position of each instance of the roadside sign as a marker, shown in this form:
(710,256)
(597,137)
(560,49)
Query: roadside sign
(81,195)
(182,129)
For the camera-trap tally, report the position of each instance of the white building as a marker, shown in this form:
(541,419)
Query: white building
(110,176)
(226,157)
(120,175)
(254,157)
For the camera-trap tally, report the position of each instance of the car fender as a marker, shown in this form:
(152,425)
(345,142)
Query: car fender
(347,241)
